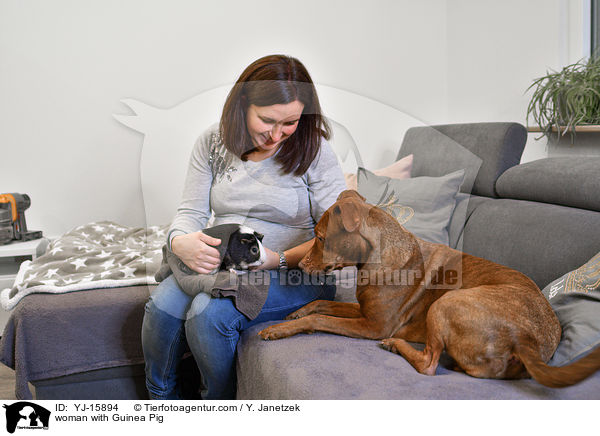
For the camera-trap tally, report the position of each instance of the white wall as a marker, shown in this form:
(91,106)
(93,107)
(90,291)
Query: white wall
(64,66)
(496,49)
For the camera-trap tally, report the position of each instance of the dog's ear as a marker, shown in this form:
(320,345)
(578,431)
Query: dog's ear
(350,193)
(350,215)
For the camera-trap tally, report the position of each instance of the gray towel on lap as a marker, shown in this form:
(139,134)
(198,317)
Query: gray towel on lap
(249,289)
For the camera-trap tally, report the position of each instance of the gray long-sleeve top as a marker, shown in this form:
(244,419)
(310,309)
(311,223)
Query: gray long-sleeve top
(285,208)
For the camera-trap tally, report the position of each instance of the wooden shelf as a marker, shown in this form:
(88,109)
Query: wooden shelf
(583,128)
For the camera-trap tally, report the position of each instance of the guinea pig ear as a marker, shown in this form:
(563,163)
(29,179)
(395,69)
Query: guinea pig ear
(245,241)
(350,215)
(259,236)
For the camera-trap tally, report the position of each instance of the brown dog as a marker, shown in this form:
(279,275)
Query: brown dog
(492,320)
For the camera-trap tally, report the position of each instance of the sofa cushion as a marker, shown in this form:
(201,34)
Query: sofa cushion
(570,181)
(575,297)
(465,205)
(400,169)
(541,240)
(423,205)
(330,367)
(485,150)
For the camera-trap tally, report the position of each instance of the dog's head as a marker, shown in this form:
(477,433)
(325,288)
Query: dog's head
(351,233)
(244,250)
(338,241)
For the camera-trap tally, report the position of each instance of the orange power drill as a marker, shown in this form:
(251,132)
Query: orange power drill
(12,219)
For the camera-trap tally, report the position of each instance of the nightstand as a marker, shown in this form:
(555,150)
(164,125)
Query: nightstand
(11,256)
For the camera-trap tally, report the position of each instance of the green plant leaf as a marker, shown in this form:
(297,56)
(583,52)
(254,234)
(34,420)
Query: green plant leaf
(567,98)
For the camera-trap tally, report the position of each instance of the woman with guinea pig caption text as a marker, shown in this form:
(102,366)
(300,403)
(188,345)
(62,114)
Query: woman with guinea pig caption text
(267,165)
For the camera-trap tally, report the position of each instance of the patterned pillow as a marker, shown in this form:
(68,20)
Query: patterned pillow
(575,297)
(423,205)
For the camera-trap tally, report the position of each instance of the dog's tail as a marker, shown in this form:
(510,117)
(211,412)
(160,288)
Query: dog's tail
(558,376)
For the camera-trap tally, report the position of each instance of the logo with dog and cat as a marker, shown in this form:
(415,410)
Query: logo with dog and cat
(25,415)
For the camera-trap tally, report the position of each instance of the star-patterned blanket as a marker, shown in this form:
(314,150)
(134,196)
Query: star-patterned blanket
(96,255)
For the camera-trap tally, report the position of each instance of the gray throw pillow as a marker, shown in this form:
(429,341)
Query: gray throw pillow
(423,205)
(575,297)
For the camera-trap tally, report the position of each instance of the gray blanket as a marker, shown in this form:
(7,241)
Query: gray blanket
(97,255)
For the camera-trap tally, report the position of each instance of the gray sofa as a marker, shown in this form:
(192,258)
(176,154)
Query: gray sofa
(542,218)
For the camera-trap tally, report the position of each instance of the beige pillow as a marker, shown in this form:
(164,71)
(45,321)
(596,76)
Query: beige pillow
(400,169)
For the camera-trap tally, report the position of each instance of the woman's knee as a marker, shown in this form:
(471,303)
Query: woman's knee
(169,298)
(198,305)
(210,314)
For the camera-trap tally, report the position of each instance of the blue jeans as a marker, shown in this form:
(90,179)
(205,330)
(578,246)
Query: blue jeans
(211,328)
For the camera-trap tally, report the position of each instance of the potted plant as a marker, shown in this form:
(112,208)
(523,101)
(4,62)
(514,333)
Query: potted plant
(568,101)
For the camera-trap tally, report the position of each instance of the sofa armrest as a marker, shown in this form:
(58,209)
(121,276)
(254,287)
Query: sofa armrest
(572,181)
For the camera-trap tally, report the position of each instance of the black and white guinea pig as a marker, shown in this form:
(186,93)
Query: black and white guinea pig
(244,250)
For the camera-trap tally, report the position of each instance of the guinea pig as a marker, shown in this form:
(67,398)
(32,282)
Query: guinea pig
(244,250)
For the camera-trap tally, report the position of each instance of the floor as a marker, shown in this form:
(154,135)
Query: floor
(7,383)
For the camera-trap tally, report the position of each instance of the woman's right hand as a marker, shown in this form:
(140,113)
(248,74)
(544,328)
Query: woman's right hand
(197,252)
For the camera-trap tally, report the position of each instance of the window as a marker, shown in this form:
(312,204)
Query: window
(595,33)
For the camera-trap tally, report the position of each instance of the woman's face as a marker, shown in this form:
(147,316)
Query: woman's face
(269,126)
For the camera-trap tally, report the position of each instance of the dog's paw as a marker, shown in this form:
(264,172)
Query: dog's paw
(389,345)
(306,310)
(296,315)
(271,333)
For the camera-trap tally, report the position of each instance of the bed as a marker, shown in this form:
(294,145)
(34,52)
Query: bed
(76,309)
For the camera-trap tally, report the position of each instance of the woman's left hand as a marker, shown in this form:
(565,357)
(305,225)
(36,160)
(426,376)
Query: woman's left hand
(272,261)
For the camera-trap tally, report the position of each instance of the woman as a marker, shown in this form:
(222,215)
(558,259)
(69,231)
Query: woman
(267,166)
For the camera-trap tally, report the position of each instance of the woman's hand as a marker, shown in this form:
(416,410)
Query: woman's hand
(272,261)
(196,251)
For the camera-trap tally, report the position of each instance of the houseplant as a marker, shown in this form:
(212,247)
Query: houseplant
(566,100)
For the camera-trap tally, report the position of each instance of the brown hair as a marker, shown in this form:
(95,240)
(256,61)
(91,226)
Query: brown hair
(275,79)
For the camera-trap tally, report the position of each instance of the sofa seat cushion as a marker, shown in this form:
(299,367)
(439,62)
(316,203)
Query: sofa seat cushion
(323,366)
(569,181)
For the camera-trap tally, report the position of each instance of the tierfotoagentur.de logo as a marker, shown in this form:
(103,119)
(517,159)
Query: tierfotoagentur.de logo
(26,415)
